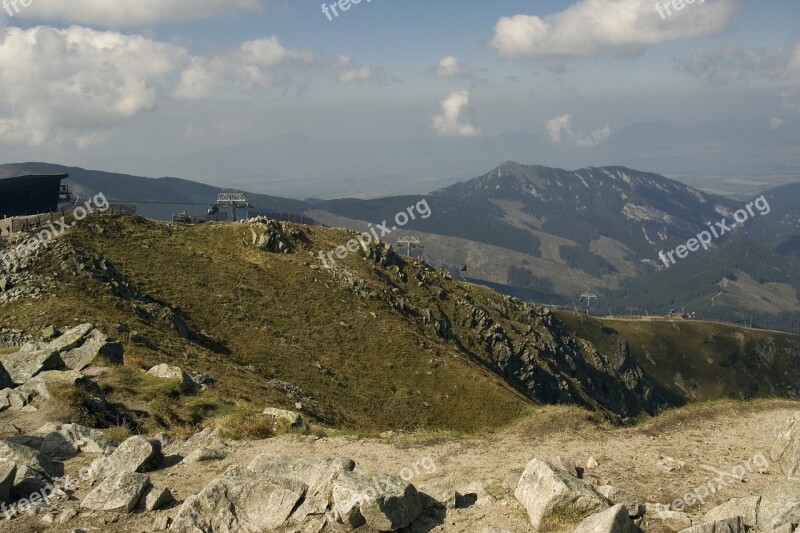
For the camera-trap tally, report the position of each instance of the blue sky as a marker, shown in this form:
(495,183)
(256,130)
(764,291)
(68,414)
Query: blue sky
(169,77)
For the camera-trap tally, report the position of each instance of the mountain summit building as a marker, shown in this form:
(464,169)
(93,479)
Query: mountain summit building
(30,195)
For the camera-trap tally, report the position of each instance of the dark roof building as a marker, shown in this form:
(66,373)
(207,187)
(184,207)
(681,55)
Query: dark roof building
(30,195)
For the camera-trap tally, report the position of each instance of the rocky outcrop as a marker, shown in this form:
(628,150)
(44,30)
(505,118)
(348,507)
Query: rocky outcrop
(612,520)
(780,505)
(375,500)
(729,525)
(547,491)
(136,454)
(785,451)
(747,508)
(64,441)
(119,492)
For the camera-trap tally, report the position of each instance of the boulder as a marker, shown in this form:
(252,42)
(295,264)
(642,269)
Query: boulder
(545,490)
(30,464)
(136,454)
(674,520)
(209,437)
(68,440)
(8,472)
(14,400)
(729,525)
(155,499)
(780,505)
(441,489)
(205,454)
(292,420)
(70,339)
(568,464)
(119,492)
(620,497)
(95,346)
(22,366)
(317,474)
(785,450)
(40,385)
(165,371)
(612,520)
(5,379)
(240,501)
(377,500)
(747,508)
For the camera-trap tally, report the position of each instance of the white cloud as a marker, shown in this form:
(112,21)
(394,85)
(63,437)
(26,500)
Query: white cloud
(73,85)
(775,123)
(126,13)
(450,122)
(349,74)
(253,66)
(354,75)
(618,28)
(449,67)
(560,130)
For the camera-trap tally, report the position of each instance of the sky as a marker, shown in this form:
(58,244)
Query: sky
(141,86)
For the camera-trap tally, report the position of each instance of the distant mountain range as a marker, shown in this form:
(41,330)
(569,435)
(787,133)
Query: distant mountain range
(549,235)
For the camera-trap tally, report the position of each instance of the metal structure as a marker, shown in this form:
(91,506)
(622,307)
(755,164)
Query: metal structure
(410,243)
(229,200)
(588,296)
(30,195)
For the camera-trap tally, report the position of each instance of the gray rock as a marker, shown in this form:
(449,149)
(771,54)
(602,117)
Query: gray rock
(29,463)
(568,464)
(22,366)
(620,497)
(730,525)
(785,450)
(441,489)
(119,492)
(5,378)
(136,454)
(240,501)
(14,400)
(209,437)
(317,474)
(67,440)
(8,472)
(780,505)
(155,499)
(95,346)
(165,371)
(205,454)
(70,339)
(377,500)
(674,520)
(613,520)
(544,489)
(747,508)
(40,385)
(293,420)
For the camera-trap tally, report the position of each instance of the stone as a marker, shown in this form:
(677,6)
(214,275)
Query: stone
(155,499)
(544,490)
(40,385)
(14,400)
(8,472)
(317,474)
(22,366)
(730,525)
(240,501)
(70,339)
(441,489)
(95,346)
(205,454)
(785,450)
(747,508)
(612,520)
(68,440)
(165,371)
(620,497)
(207,437)
(780,505)
(674,520)
(136,454)
(377,500)
(5,378)
(292,420)
(119,492)
(29,463)
(568,464)
(50,333)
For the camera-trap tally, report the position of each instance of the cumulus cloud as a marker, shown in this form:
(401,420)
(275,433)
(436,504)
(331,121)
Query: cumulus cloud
(560,131)
(116,13)
(252,66)
(72,85)
(349,74)
(451,122)
(735,65)
(450,67)
(617,28)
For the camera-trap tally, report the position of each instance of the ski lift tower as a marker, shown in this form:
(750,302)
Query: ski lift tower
(588,296)
(410,243)
(233,201)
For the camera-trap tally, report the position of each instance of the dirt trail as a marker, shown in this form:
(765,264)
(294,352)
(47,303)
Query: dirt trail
(646,460)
